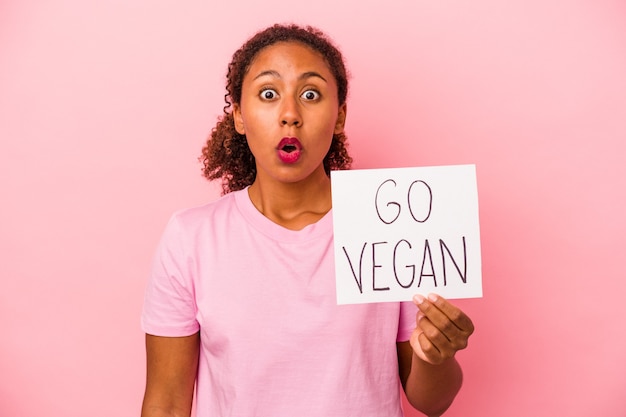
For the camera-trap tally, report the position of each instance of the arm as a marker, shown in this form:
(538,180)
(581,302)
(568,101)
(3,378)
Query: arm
(430,375)
(172,365)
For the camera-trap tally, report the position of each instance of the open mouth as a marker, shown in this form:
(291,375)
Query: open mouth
(289,150)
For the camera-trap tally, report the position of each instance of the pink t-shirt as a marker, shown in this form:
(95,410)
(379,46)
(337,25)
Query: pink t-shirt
(274,342)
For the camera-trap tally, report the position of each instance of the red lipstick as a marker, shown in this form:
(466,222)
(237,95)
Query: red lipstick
(289,150)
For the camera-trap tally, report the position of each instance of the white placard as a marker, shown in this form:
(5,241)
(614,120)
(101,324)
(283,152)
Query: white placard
(404,231)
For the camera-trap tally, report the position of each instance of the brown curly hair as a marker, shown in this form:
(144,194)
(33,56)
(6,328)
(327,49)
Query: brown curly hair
(226,154)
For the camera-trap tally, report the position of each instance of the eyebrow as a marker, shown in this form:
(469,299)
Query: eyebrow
(302,76)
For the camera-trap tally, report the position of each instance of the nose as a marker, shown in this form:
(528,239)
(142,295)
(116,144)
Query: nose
(290,113)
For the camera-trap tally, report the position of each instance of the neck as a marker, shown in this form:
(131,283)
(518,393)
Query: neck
(292,205)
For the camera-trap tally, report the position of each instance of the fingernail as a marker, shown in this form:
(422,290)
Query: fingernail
(433,297)
(418,299)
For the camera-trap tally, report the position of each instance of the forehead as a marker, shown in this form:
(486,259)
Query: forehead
(288,56)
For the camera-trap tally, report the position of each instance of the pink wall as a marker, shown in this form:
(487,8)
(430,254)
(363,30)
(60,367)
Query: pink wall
(105,105)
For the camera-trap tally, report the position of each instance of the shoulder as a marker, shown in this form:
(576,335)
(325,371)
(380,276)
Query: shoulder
(194,217)
(194,231)
(187,227)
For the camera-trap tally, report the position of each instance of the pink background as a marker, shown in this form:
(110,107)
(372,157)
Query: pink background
(104,107)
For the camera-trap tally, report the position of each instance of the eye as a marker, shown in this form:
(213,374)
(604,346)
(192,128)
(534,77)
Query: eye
(268,94)
(310,95)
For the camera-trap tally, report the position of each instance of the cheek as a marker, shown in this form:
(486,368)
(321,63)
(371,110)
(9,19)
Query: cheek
(330,121)
(255,119)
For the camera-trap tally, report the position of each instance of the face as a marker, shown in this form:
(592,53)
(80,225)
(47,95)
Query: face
(289,111)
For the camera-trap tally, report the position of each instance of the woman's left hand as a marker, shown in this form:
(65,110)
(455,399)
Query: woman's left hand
(442,329)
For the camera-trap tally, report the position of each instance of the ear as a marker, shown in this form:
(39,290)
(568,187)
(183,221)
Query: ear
(341,118)
(238,119)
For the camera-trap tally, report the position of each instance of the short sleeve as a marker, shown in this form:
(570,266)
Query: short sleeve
(169,302)
(406,325)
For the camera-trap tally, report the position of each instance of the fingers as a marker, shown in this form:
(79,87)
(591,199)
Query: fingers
(443,313)
(442,329)
(424,349)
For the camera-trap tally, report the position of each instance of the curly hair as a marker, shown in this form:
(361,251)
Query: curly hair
(226,154)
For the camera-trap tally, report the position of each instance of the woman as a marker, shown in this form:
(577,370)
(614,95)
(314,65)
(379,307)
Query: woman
(241,301)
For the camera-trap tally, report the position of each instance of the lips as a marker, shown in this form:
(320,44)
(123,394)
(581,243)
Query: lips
(289,150)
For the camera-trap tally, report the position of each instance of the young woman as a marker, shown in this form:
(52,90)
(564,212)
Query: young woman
(241,303)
